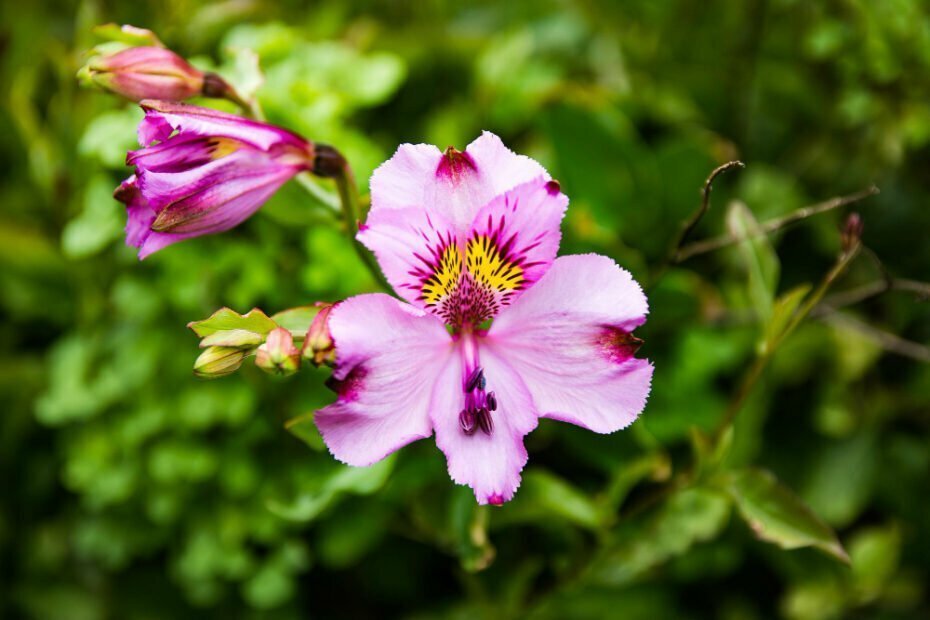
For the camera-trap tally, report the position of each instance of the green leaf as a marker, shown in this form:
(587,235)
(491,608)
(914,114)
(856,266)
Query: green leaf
(342,480)
(782,312)
(543,495)
(778,516)
(304,429)
(759,259)
(296,320)
(242,70)
(469,525)
(98,225)
(688,517)
(226,319)
(109,136)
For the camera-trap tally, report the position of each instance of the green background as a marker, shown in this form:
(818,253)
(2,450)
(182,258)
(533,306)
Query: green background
(131,489)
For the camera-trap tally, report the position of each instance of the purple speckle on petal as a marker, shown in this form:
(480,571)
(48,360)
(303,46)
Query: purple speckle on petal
(349,388)
(553,187)
(617,344)
(454,165)
(496,499)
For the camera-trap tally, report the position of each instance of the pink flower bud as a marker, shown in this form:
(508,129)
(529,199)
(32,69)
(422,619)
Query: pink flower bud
(851,233)
(278,355)
(148,72)
(319,347)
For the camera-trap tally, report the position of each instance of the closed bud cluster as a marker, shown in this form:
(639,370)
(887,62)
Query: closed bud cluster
(278,356)
(219,361)
(319,347)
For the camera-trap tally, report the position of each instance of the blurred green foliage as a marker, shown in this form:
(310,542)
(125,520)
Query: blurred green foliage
(134,490)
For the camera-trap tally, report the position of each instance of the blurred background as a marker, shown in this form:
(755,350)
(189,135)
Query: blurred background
(132,489)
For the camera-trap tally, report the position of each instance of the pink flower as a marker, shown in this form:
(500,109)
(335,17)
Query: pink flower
(466,238)
(201,172)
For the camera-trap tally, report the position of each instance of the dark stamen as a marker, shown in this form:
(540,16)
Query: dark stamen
(467,421)
(484,421)
(492,402)
(476,378)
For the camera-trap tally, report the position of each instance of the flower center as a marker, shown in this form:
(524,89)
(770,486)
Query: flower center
(479,403)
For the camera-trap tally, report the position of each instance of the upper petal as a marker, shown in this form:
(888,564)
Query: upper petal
(418,252)
(513,241)
(162,118)
(489,464)
(569,339)
(388,358)
(453,184)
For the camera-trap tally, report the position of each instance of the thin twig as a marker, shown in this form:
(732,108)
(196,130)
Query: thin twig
(886,340)
(691,224)
(705,200)
(770,226)
(872,289)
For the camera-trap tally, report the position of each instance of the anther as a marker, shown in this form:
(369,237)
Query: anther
(484,421)
(492,401)
(467,421)
(476,379)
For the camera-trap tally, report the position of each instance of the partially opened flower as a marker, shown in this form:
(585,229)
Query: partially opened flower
(201,171)
(468,238)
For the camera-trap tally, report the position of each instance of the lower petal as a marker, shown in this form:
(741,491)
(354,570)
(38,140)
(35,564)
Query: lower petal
(388,357)
(489,463)
(569,337)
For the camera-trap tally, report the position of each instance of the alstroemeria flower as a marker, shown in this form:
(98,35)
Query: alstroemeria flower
(467,238)
(201,171)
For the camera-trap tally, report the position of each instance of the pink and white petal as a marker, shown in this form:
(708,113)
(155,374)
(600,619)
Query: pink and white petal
(417,250)
(501,168)
(218,206)
(569,338)
(155,241)
(388,358)
(185,118)
(515,238)
(455,184)
(402,182)
(489,464)
(163,186)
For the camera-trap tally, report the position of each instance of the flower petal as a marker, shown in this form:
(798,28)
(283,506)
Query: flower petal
(569,339)
(402,181)
(501,168)
(453,184)
(417,251)
(514,240)
(388,357)
(489,464)
(164,117)
(216,204)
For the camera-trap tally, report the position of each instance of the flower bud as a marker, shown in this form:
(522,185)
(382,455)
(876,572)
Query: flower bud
(851,234)
(319,347)
(219,361)
(147,72)
(278,355)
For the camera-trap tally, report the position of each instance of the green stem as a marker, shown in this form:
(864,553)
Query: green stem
(754,373)
(325,198)
(352,213)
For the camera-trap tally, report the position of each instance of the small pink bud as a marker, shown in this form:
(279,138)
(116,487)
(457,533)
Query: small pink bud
(278,355)
(319,347)
(851,234)
(147,72)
